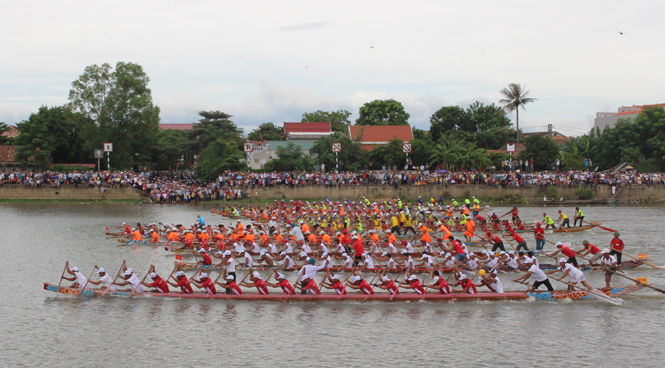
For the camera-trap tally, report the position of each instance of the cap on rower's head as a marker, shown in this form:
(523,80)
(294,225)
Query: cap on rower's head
(230,277)
(488,233)
(75,269)
(227,253)
(153,275)
(586,242)
(616,233)
(558,244)
(537,223)
(280,276)
(311,261)
(128,273)
(256,274)
(179,273)
(101,270)
(385,278)
(335,277)
(563,260)
(356,278)
(413,277)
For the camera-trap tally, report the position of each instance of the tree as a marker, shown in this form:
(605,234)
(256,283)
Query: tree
(446,153)
(420,134)
(119,105)
(52,135)
(212,126)
(218,157)
(171,148)
(487,125)
(267,132)
(541,149)
(383,112)
(290,157)
(351,158)
(4,139)
(388,154)
(485,117)
(339,120)
(515,98)
(494,138)
(446,119)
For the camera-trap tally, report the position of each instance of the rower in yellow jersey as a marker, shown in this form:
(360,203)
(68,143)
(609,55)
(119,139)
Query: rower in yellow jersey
(563,220)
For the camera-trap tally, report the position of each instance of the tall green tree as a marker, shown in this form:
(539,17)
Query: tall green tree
(4,139)
(218,157)
(383,112)
(212,126)
(339,120)
(171,147)
(388,154)
(290,157)
(448,118)
(352,157)
(541,149)
(515,97)
(446,153)
(119,105)
(267,132)
(52,135)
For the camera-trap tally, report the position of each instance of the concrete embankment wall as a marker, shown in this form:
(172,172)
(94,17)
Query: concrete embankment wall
(628,194)
(67,192)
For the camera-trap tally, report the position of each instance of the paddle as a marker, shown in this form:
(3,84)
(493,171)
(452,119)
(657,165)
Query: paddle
(620,273)
(88,280)
(639,260)
(63,273)
(606,228)
(599,294)
(509,242)
(122,268)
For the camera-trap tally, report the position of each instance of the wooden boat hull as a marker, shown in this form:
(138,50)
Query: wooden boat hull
(575,229)
(384,297)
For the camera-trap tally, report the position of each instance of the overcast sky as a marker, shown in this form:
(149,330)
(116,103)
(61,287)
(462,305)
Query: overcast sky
(272,61)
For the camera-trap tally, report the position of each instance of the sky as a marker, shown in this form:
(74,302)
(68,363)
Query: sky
(272,61)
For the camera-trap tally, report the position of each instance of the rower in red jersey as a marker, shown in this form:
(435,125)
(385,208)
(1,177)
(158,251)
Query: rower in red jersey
(157,282)
(359,284)
(308,285)
(283,283)
(334,283)
(439,283)
(258,282)
(205,282)
(415,284)
(231,285)
(465,282)
(205,258)
(183,283)
(481,221)
(519,225)
(388,284)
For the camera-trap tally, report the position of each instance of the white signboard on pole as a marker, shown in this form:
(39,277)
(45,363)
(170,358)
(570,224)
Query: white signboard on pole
(510,147)
(249,147)
(337,147)
(108,147)
(406,148)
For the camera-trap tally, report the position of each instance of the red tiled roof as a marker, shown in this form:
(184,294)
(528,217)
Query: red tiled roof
(12,132)
(186,126)
(641,108)
(8,153)
(306,128)
(556,136)
(369,147)
(381,134)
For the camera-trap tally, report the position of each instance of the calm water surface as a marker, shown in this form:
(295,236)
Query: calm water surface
(40,328)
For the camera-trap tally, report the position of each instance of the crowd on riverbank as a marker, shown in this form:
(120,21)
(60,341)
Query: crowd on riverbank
(172,187)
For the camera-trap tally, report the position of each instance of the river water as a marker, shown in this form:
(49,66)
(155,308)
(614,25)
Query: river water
(40,328)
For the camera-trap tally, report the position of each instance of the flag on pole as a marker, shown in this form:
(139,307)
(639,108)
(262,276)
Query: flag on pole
(178,257)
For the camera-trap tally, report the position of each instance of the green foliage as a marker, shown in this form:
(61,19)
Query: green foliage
(290,158)
(65,168)
(212,126)
(388,154)
(383,112)
(118,104)
(171,146)
(515,97)
(454,154)
(5,140)
(218,157)
(421,150)
(649,165)
(52,135)
(585,192)
(487,126)
(541,149)
(267,132)
(339,120)
(420,134)
(351,158)
(572,161)
(553,192)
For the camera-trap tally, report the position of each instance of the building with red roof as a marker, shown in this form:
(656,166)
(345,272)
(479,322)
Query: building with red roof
(372,136)
(184,126)
(609,119)
(12,132)
(306,131)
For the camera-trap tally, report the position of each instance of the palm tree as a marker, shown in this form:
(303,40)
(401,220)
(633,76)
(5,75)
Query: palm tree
(447,152)
(514,99)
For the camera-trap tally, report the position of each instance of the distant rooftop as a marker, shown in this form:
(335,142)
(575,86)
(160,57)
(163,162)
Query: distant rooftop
(178,126)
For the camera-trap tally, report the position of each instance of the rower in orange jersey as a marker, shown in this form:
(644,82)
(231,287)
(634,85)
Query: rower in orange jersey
(447,234)
(391,237)
(426,237)
(135,235)
(154,237)
(304,227)
(240,228)
(470,230)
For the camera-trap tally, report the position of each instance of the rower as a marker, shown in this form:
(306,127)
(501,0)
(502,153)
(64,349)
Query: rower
(157,282)
(439,283)
(205,258)
(80,281)
(579,215)
(415,284)
(548,221)
(539,235)
(388,284)
(465,282)
(566,252)
(105,279)
(563,220)
(334,283)
(307,274)
(283,283)
(610,265)
(495,240)
(230,286)
(538,275)
(257,282)
(359,284)
(569,270)
(616,246)
(229,263)
(205,282)
(590,248)
(132,279)
(521,243)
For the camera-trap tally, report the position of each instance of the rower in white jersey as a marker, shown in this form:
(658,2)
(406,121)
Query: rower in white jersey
(327,260)
(105,280)
(131,279)
(472,262)
(512,261)
(348,261)
(368,261)
(272,249)
(80,281)
(569,270)
(288,262)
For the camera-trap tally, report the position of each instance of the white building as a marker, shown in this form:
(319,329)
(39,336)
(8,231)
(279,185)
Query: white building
(610,119)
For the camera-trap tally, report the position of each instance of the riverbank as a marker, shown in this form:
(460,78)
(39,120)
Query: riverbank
(629,194)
